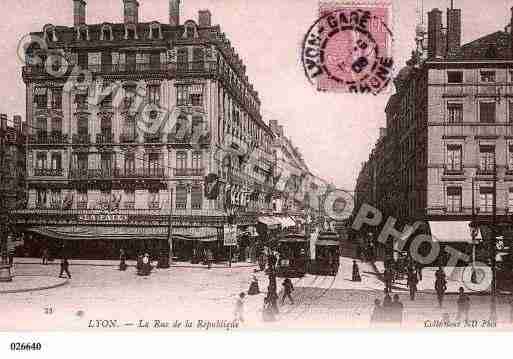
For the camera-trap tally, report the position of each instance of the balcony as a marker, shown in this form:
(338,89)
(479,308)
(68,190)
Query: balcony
(122,68)
(153,205)
(127,138)
(196,67)
(188,172)
(87,173)
(152,137)
(140,173)
(48,139)
(82,205)
(48,172)
(129,205)
(104,138)
(81,139)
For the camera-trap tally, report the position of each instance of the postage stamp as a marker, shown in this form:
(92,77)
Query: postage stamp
(349,47)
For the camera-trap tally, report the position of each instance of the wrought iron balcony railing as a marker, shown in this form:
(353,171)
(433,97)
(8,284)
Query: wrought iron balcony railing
(127,138)
(152,137)
(48,138)
(88,173)
(148,172)
(188,172)
(106,137)
(81,139)
(50,172)
(153,205)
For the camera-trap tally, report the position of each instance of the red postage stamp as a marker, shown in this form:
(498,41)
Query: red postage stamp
(349,47)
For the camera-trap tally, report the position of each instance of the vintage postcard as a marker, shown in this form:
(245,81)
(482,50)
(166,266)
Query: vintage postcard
(221,166)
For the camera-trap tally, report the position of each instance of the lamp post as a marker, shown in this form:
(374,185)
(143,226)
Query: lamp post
(5,268)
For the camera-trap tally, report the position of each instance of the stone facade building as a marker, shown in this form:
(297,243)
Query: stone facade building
(127,121)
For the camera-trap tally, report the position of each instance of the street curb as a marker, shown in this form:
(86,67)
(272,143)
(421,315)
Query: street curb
(63,283)
(133,266)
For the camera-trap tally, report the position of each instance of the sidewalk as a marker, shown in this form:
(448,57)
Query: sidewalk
(30,283)
(130,263)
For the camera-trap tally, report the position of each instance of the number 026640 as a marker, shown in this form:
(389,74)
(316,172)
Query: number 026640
(25,346)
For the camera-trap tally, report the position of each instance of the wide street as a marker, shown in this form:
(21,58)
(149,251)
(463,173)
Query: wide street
(195,293)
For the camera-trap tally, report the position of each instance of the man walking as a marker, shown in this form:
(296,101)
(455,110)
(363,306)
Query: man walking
(44,256)
(463,304)
(239,308)
(287,291)
(64,268)
(388,276)
(412,283)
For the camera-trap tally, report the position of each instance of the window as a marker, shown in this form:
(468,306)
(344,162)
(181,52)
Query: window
(510,108)
(181,95)
(83,126)
(41,127)
(487,112)
(154,94)
(41,160)
(196,160)
(82,161)
(455,112)
(94,61)
(129,196)
(41,198)
(189,32)
(82,199)
(485,199)
(454,199)
(41,97)
(56,98)
(154,163)
(105,196)
(55,198)
(56,126)
(454,158)
(129,163)
(196,99)
(106,163)
(487,158)
(181,197)
(510,157)
(56,163)
(198,59)
(181,160)
(196,197)
(510,199)
(454,77)
(153,199)
(487,76)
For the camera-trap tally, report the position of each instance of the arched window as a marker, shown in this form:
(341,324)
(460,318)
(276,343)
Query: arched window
(131,32)
(49,33)
(191,31)
(83,32)
(155,31)
(106,33)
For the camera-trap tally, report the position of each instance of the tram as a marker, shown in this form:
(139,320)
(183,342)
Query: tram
(293,249)
(327,255)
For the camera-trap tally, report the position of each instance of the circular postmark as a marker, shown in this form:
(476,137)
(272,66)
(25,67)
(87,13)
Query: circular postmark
(348,50)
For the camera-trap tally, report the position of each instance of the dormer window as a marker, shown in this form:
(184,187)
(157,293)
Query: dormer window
(155,31)
(106,33)
(131,32)
(83,33)
(49,33)
(190,30)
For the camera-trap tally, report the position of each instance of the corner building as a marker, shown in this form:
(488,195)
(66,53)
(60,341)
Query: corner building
(101,177)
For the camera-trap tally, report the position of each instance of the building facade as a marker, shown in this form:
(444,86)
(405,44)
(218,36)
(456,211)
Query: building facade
(136,128)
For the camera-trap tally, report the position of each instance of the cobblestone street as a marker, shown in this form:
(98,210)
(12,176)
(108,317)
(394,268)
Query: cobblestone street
(188,293)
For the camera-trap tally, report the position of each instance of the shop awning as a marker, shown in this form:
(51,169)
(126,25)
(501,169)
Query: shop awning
(327,242)
(286,222)
(452,231)
(269,221)
(79,233)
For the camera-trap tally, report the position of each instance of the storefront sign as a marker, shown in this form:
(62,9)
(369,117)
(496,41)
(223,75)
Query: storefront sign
(103,217)
(230,235)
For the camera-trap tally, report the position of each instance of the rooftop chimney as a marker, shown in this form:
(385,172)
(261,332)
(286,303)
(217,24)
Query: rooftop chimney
(3,121)
(131,11)
(434,33)
(174,12)
(79,12)
(453,29)
(204,18)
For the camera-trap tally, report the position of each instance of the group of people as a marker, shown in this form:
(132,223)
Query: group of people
(390,311)
(413,277)
(143,265)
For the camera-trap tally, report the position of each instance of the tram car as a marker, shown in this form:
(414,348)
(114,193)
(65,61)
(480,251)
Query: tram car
(293,249)
(327,255)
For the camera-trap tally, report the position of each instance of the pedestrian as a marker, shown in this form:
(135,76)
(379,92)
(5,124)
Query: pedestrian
(64,268)
(387,307)
(396,310)
(412,283)
(253,287)
(261,261)
(377,315)
(418,268)
(210,258)
(356,273)
(511,310)
(440,288)
(239,308)
(11,256)
(122,260)
(44,256)
(388,276)
(288,288)
(267,312)
(272,297)
(463,303)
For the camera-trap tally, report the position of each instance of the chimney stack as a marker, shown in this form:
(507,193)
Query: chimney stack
(204,18)
(131,11)
(434,33)
(174,12)
(79,12)
(17,123)
(3,121)
(453,29)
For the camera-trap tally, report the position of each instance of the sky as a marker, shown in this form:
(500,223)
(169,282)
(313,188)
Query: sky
(334,131)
